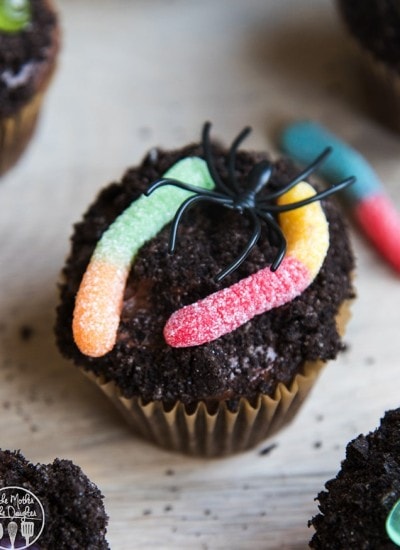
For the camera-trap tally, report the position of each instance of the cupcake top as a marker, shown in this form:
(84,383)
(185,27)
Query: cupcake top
(28,46)
(62,508)
(251,359)
(376,25)
(355,507)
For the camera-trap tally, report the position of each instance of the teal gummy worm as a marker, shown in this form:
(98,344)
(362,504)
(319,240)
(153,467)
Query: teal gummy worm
(304,140)
(366,198)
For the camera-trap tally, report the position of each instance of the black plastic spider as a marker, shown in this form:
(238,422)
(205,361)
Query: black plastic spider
(246,201)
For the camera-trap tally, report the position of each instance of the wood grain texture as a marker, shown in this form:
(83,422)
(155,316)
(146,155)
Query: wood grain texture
(133,75)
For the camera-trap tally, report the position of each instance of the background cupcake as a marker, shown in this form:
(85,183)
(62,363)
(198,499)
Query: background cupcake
(355,506)
(56,506)
(29,42)
(217,396)
(375,28)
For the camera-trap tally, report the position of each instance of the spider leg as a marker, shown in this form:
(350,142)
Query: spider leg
(272,235)
(188,203)
(313,198)
(209,160)
(232,156)
(246,251)
(273,224)
(176,183)
(304,174)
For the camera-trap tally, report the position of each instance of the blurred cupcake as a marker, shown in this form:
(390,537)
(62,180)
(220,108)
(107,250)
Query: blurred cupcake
(375,28)
(48,506)
(360,507)
(29,42)
(206,350)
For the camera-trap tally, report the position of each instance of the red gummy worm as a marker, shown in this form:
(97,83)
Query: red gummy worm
(381,223)
(198,323)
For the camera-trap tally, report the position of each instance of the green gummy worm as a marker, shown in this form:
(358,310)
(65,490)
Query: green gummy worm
(14,15)
(146,216)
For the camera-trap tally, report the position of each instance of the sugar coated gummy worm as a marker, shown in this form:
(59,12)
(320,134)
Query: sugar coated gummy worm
(369,204)
(14,15)
(98,303)
(307,234)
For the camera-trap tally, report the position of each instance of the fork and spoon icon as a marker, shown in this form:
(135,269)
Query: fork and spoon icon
(27,531)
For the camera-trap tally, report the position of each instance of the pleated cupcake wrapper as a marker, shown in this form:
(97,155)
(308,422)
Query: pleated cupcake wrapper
(223,432)
(382,87)
(16,132)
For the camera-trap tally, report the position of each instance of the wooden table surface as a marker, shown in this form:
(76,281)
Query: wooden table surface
(134,74)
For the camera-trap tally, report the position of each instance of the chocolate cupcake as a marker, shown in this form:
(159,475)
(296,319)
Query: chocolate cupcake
(212,348)
(358,508)
(49,506)
(375,29)
(29,42)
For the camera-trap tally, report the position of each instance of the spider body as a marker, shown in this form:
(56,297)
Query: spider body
(246,201)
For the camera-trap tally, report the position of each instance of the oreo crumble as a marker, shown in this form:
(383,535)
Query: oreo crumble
(73,506)
(253,359)
(356,503)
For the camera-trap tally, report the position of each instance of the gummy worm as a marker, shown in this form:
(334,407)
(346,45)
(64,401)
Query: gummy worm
(98,303)
(14,16)
(307,235)
(369,203)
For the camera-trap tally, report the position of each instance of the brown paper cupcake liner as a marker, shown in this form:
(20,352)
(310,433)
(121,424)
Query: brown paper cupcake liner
(16,132)
(381,87)
(223,432)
